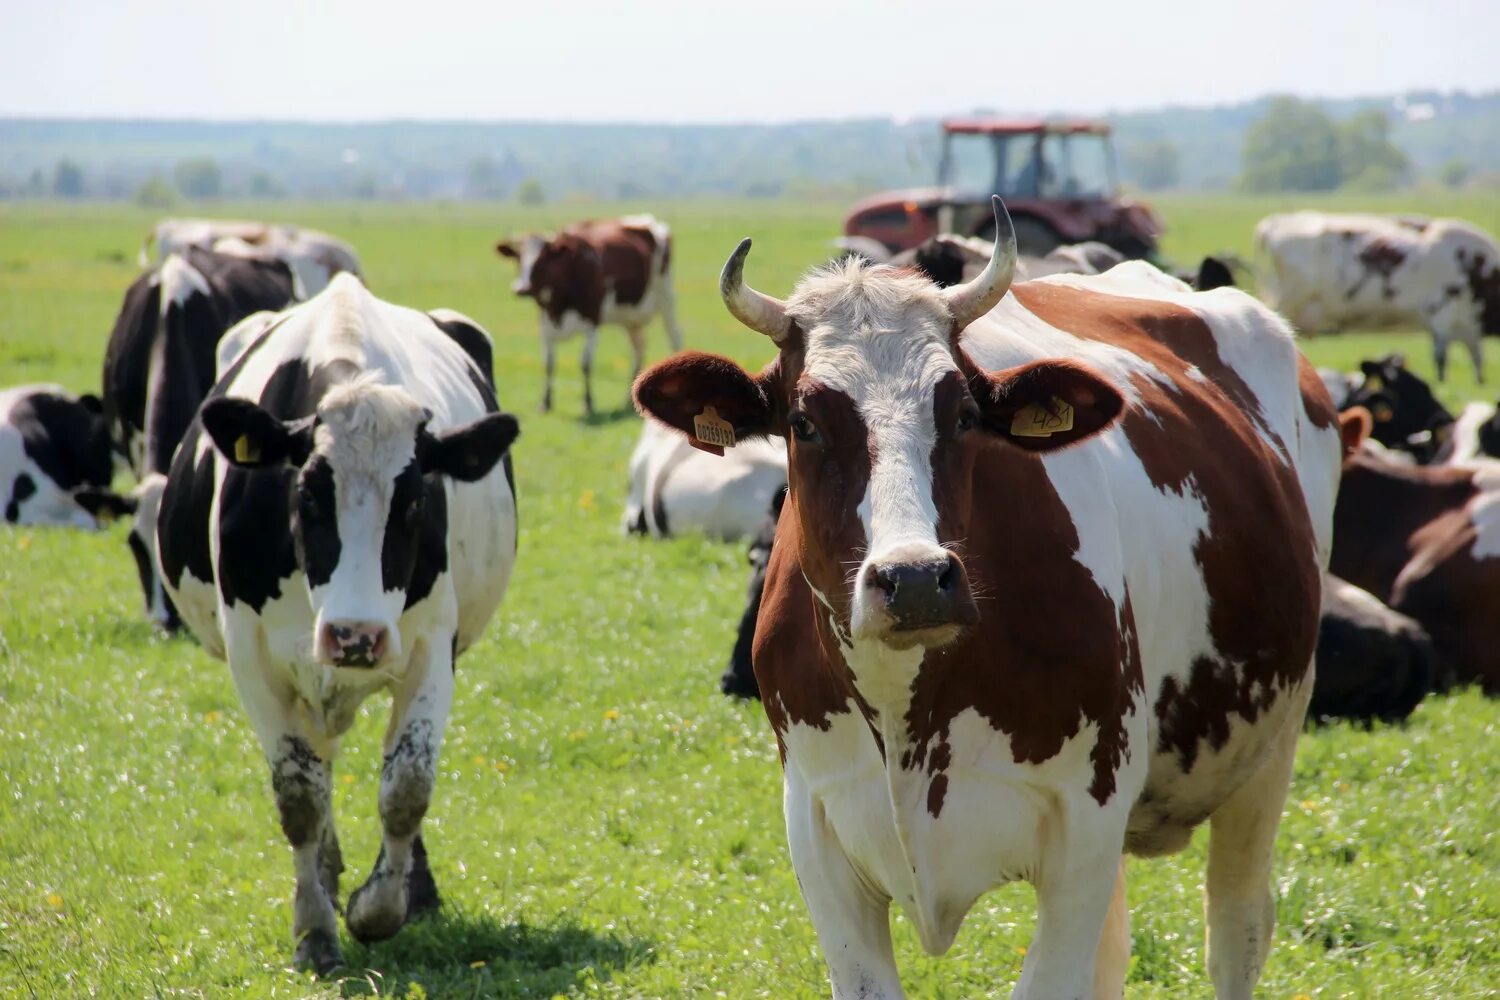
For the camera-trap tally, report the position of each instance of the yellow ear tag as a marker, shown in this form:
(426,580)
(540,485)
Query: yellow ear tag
(1374,383)
(711,429)
(105,517)
(1383,414)
(245,450)
(1034,421)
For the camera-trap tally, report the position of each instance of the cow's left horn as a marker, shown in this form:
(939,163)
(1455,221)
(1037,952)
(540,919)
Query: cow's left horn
(971,300)
(757,311)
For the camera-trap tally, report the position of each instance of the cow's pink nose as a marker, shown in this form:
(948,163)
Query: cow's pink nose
(354,643)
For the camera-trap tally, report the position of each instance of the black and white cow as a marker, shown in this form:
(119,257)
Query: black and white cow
(1373,663)
(341,520)
(161,362)
(55,463)
(676,488)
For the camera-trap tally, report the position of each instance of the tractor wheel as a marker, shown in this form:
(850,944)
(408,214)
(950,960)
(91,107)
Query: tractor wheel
(1034,238)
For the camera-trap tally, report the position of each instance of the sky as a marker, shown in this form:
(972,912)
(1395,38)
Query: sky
(691,62)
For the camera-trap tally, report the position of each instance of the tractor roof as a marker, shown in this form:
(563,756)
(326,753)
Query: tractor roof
(1025,126)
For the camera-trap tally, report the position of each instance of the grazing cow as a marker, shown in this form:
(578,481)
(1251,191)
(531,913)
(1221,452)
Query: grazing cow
(314,257)
(159,364)
(596,272)
(1426,541)
(1372,662)
(1474,435)
(1045,589)
(340,521)
(738,678)
(674,488)
(1332,272)
(55,462)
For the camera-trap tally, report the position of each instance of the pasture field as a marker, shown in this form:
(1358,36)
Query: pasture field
(605,823)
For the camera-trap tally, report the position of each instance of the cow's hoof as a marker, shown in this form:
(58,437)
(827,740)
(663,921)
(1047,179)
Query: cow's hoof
(374,915)
(319,951)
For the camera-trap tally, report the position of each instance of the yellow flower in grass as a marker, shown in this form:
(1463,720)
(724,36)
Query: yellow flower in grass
(212,716)
(587,501)
(54,900)
(611,714)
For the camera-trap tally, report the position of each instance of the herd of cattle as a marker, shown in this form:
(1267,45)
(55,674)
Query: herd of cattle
(1040,567)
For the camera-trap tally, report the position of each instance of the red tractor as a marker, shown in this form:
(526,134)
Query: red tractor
(1057,179)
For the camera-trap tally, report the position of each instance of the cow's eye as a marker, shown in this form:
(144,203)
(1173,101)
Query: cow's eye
(968,419)
(802,428)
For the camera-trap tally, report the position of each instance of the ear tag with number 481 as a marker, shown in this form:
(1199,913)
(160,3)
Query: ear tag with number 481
(1036,421)
(711,432)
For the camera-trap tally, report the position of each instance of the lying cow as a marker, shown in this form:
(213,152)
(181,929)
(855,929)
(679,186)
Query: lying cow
(1045,590)
(159,364)
(1426,541)
(313,257)
(1332,272)
(1372,662)
(595,272)
(55,461)
(676,488)
(340,520)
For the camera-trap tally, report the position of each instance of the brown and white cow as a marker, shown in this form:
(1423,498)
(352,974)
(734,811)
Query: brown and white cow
(1045,591)
(1331,272)
(1426,541)
(616,271)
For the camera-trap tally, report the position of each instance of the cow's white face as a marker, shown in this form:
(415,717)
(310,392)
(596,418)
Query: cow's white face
(525,253)
(367,503)
(877,347)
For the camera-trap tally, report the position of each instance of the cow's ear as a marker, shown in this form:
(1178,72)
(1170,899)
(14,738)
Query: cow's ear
(468,452)
(1213,273)
(506,248)
(103,504)
(1044,405)
(712,400)
(249,437)
(91,402)
(1355,425)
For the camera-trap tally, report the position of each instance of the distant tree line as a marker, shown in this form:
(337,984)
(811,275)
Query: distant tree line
(1296,146)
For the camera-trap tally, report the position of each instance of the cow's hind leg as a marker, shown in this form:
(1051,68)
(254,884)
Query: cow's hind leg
(401,883)
(1241,914)
(851,919)
(590,345)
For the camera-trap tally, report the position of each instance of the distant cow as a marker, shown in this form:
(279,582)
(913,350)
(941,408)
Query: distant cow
(1045,591)
(55,459)
(675,488)
(161,361)
(596,272)
(1425,540)
(1373,664)
(1330,272)
(314,257)
(341,520)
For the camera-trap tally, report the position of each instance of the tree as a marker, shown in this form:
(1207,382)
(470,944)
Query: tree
(155,193)
(1292,147)
(530,192)
(1154,164)
(263,185)
(1368,159)
(67,180)
(1454,173)
(198,177)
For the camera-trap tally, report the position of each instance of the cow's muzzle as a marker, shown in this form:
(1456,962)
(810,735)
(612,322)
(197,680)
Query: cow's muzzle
(353,643)
(919,600)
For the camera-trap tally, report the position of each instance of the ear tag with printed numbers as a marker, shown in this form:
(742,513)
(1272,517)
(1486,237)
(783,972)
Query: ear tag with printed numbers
(1383,414)
(1374,383)
(245,449)
(1034,420)
(711,432)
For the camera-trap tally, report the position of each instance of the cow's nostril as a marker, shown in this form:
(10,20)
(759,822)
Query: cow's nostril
(881,579)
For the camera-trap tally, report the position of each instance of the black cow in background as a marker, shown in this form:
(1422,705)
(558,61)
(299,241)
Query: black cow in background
(738,679)
(1372,663)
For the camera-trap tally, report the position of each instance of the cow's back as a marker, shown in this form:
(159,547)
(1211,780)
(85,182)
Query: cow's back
(1221,480)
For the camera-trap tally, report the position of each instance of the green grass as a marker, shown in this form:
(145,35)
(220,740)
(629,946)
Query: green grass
(605,823)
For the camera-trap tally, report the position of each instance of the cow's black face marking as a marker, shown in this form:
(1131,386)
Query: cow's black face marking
(315,530)
(24,487)
(403,527)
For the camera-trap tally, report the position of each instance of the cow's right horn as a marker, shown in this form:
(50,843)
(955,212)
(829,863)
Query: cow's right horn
(758,311)
(971,300)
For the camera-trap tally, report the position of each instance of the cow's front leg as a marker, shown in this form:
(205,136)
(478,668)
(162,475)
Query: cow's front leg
(590,344)
(301,764)
(637,351)
(1074,892)
(400,886)
(549,356)
(852,918)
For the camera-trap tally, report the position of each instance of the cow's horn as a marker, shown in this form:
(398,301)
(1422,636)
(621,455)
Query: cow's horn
(757,311)
(971,300)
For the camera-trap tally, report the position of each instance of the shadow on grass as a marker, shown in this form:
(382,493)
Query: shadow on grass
(599,418)
(454,954)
